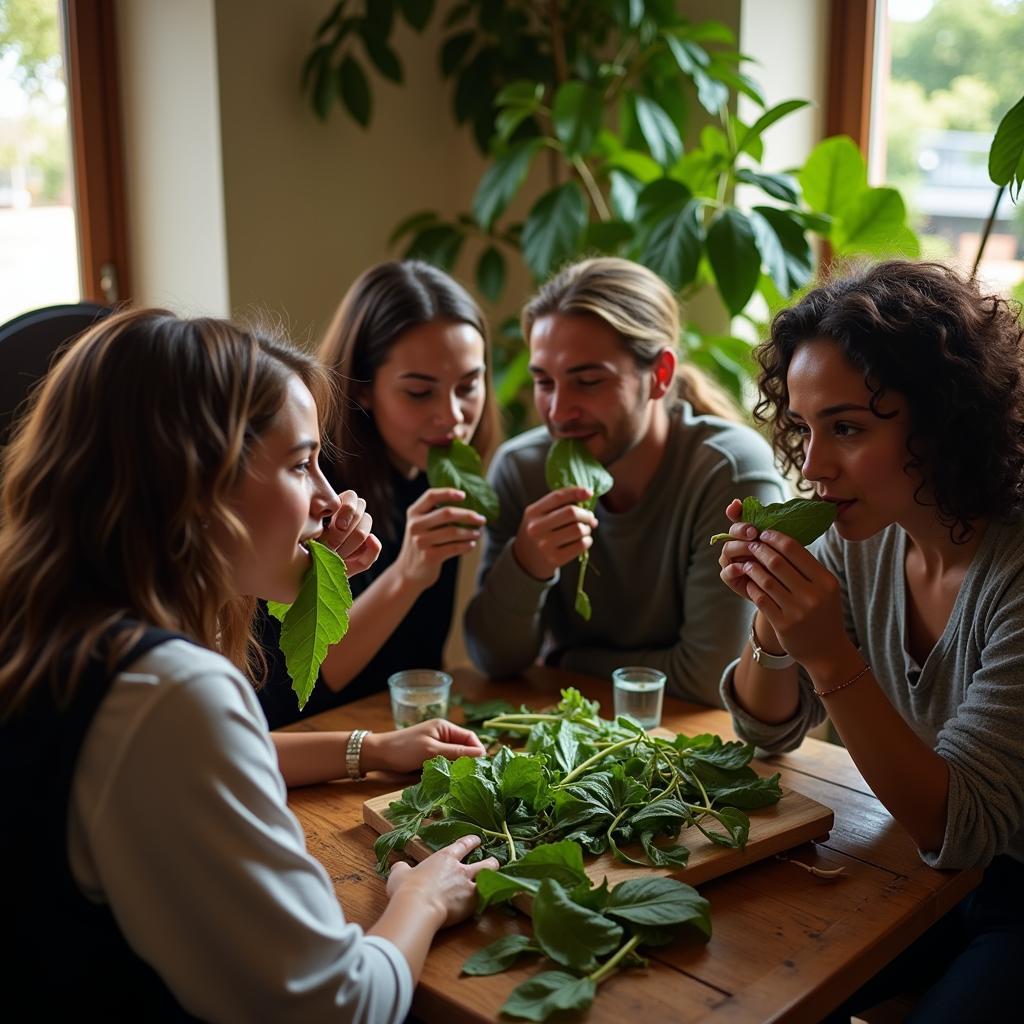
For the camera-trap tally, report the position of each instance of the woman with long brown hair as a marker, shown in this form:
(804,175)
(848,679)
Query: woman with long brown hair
(408,346)
(165,477)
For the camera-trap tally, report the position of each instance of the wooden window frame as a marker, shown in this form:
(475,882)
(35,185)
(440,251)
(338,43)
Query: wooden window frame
(97,155)
(851,69)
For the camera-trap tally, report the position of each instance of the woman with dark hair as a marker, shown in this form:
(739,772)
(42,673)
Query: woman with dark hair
(409,348)
(898,394)
(164,477)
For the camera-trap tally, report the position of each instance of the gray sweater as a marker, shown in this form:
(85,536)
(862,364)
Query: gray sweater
(966,701)
(653,577)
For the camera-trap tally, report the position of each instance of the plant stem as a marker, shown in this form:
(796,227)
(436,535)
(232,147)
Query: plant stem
(511,843)
(591,761)
(593,190)
(609,965)
(988,230)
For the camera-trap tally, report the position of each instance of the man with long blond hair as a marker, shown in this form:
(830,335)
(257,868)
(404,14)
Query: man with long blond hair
(603,338)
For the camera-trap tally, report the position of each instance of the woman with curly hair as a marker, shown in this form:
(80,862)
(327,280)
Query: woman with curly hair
(898,394)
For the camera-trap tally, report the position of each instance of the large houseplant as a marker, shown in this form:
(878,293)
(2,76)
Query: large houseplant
(594,98)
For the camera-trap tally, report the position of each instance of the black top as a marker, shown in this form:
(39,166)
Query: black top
(66,956)
(417,642)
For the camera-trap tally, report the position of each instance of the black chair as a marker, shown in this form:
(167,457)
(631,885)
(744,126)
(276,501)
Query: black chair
(28,345)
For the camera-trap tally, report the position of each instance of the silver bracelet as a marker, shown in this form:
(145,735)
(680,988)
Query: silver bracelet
(353,750)
(765,658)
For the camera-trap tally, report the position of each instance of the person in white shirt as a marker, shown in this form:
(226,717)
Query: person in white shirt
(164,477)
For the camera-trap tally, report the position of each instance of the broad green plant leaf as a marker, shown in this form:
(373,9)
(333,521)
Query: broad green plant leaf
(803,519)
(657,902)
(768,118)
(493,887)
(438,244)
(735,259)
(874,222)
(417,12)
(459,466)
(502,181)
(315,620)
(833,176)
(799,260)
(660,134)
(673,245)
(547,993)
(570,464)
(569,934)
(576,115)
(490,273)
(553,228)
(499,956)
(779,186)
(355,90)
(1006,157)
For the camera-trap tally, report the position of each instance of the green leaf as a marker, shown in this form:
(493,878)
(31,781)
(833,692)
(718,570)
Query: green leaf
(566,748)
(325,88)
(521,93)
(570,464)
(749,795)
(738,81)
(768,118)
(664,856)
(872,223)
(735,259)
(499,956)
(660,197)
(438,244)
(443,833)
(607,236)
(392,842)
(576,114)
(494,887)
(833,176)
(553,228)
(803,519)
(796,248)
(417,12)
(660,134)
(380,16)
(317,619)
(490,274)
(779,186)
(355,90)
(673,246)
(502,181)
(544,994)
(459,466)
(477,799)
(562,862)
(436,778)
(384,58)
(454,50)
(658,902)
(1006,157)
(522,779)
(569,934)
(737,825)
(773,256)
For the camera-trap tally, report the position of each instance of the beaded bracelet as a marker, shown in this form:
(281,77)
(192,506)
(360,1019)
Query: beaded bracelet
(353,750)
(842,686)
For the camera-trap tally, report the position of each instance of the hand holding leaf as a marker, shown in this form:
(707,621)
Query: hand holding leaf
(803,519)
(570,464)
(459,466)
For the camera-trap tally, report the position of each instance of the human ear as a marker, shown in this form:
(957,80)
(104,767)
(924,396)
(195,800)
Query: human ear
(663,373)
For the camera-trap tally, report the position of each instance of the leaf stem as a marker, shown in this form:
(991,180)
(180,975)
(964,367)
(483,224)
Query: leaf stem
(592,188)
(591,761)
(510,841)
(609,965)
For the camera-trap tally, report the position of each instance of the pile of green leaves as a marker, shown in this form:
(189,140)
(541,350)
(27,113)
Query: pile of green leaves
(605,785)
(803,519)
(570,464)
(315,620)
(459,466)
(575,924)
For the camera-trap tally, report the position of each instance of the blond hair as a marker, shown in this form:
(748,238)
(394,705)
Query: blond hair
(641,309)
(112,483)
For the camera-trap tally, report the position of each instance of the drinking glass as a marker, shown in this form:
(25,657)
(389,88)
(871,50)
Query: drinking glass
(418,694)
(638,692)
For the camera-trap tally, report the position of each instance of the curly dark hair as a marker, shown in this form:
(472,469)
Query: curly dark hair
(954,354)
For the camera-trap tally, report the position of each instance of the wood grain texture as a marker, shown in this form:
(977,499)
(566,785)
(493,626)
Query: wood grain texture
(785,945)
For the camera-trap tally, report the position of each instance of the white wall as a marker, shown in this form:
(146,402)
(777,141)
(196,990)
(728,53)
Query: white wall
(172,142)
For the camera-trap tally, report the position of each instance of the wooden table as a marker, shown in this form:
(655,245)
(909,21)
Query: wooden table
(785,945)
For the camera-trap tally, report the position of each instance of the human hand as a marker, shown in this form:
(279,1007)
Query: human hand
(348,533)
(436,530)
(797,596)
(442,881)
(405,750)
(554,530)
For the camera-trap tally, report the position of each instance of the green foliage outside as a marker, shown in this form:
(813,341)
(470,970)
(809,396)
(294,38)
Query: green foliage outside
(592,102)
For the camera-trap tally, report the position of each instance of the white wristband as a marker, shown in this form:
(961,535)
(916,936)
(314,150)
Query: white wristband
(765,658)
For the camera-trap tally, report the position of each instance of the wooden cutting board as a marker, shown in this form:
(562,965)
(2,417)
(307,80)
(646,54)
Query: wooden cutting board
(795,819)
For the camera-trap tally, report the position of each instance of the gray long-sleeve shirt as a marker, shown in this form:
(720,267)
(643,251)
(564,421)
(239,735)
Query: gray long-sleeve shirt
(653,578)
(966,701)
